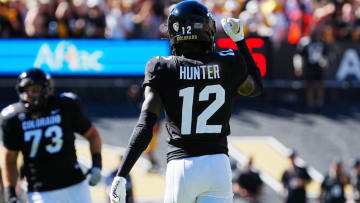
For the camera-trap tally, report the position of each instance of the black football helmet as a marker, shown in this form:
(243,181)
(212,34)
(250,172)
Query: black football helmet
(191,21)
(31,77)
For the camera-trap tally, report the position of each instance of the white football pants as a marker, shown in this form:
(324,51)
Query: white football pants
(202,179)
(79,193)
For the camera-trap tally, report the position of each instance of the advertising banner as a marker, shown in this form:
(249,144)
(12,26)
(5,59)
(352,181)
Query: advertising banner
(79,57)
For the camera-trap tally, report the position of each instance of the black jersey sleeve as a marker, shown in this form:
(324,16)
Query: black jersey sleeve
(80,122)
(10,134)
(151,76)
(241,69)
(252,68)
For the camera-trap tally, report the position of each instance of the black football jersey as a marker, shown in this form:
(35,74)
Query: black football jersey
(46,141)
(312,53)
(197,95)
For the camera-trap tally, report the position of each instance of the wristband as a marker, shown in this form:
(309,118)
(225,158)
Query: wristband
(96,160)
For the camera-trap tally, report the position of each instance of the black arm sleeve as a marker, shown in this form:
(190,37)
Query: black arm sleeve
(139,140)
(253,70)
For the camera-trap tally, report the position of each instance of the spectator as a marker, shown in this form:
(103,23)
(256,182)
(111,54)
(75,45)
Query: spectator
(11,19)
(149,16)
(248,184)
(40,21)
(64,15)
(119,21)
(311,61)
(332,188)
(355,180)
(287,20)
(96,23)
(299,13)
(78,22)
(294,181)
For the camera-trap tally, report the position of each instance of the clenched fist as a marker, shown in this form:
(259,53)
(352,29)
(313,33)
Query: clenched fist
(233,28)
(118,190)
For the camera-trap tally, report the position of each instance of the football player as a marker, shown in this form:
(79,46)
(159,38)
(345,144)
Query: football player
(41,126)
(196,87)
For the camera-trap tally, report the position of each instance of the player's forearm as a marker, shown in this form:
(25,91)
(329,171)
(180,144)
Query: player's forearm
(253,70)
(139,140)
(95,147)
(95,143)
(10,174)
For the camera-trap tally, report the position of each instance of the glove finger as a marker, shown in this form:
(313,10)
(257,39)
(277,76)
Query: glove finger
(115,200)
(240,23)
(230,22)
(226,26)
(223,21)
(228,30)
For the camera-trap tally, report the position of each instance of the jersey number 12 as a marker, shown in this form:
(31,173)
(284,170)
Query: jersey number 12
(201,124)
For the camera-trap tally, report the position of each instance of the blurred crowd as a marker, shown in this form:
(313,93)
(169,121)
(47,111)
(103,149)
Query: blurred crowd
(339,185)
(281,20)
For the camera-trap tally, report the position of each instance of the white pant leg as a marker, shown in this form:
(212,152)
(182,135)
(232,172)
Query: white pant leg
(79,193)
(189,179)
(176,190)
(221,185)
(44,197)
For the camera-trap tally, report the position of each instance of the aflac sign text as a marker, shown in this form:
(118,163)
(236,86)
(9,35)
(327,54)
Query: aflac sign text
(67,55)
(83,57)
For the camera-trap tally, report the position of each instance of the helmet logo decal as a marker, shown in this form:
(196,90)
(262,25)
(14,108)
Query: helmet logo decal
(210,15)
(176,26)
(198,26)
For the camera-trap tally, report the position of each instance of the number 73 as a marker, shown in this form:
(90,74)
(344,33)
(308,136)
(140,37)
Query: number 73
(56,140)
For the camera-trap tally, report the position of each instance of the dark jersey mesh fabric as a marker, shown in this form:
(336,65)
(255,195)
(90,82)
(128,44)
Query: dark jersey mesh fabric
(197,94)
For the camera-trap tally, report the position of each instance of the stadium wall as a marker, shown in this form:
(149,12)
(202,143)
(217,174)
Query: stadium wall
(102,70)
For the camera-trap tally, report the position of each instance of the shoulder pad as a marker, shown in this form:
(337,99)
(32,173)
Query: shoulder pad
(228,52)
(167,58)
(69,95)
(10,110)
(189,60)
(69,98)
